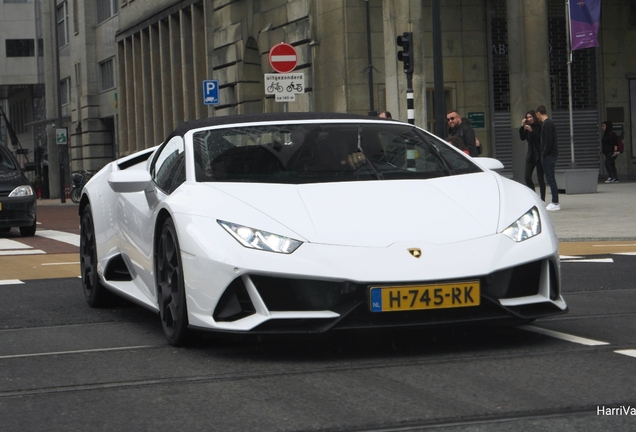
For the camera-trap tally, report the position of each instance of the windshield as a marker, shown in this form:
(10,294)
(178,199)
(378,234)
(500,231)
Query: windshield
(6,164)
(326,152)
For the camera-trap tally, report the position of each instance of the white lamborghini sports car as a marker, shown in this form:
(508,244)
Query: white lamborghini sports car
(314,222)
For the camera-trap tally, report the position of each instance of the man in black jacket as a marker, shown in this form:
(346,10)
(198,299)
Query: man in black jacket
(549,154)
(462,130)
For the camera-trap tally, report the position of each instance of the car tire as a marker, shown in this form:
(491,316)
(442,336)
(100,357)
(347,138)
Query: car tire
(94,292)
(171,287)
(28,231)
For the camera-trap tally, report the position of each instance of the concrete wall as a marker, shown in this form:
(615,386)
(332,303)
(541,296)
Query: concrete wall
(465,51)
(165,48)
(17,21)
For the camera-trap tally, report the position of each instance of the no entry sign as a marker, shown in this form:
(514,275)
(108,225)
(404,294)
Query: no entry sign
(283,58)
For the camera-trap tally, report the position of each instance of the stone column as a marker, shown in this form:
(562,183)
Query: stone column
(401,16)
(529,64)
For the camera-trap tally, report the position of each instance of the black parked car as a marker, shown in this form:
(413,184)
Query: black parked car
(17,198)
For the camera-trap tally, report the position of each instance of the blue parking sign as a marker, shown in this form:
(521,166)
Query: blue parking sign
(211,92)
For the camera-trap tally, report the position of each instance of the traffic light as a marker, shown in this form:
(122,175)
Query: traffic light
(406,55)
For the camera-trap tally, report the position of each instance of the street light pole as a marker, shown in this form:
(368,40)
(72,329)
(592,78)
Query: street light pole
(58,122)
(438,72)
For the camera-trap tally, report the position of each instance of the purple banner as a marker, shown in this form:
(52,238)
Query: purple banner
(585,16)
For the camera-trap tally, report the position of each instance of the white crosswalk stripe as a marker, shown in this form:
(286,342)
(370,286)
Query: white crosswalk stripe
(11,282)
(14,247)
(72,239)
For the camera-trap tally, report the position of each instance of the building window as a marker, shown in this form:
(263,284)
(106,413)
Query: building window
(105,10)
(76,25)
(62,25)
(20,47)
(65,91)
(107,74)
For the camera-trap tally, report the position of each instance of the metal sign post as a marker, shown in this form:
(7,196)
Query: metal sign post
(211,92)
(283,58)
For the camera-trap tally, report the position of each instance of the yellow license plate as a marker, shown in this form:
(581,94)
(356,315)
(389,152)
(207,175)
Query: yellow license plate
(417,297)
(0,206)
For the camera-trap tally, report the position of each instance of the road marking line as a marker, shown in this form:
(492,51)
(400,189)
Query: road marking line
(11,282)
(591,260)
(563,336)
(568,257)
(72,239)
(625,253)
(61,263)
(6,244)
(79,351)
(22,252)
(627,352)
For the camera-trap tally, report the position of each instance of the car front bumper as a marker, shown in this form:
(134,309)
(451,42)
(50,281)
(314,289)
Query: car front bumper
(322,287)
(17,211)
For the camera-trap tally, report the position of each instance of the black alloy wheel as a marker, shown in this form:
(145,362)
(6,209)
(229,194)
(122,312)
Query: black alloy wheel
(94,292)
(171,287)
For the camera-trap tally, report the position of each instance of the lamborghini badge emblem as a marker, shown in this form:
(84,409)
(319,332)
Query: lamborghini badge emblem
(416,252)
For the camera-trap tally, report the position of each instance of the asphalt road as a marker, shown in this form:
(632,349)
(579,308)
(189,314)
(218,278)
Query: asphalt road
(65,366)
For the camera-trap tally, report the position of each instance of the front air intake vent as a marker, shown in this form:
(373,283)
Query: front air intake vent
(520,281)
(235,303)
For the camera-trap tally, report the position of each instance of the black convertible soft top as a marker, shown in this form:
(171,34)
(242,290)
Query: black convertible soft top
(183,128)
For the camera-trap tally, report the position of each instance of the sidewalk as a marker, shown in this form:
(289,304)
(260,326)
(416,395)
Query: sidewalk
(55,202)
(609,214)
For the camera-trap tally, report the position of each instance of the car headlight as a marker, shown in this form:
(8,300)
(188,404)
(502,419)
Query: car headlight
(21,191)
(261,240)
(527,226)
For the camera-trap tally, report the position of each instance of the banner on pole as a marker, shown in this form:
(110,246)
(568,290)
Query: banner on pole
(585,16)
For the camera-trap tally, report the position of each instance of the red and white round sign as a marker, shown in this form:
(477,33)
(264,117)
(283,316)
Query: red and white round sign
(283,57)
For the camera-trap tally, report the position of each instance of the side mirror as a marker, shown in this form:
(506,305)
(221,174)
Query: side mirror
(29,166)
(128,181)
(489,163)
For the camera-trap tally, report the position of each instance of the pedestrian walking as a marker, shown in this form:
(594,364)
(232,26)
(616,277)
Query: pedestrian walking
(385,114)
(549,154)
(530,131)
(609,147)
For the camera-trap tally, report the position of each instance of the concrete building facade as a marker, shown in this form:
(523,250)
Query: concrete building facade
(21,85)
(500,58)
(81,85)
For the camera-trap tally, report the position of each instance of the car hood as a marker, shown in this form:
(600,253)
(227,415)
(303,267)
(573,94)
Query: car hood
(9,180)
(379,213)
